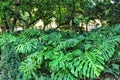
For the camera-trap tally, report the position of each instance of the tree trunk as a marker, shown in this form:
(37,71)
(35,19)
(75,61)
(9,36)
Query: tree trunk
(6,27)
(3,29)
(86,27)
(44,27)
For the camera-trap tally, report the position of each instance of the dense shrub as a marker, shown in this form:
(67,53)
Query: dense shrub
(59,55)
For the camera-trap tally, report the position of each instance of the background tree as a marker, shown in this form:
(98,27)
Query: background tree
(15,13)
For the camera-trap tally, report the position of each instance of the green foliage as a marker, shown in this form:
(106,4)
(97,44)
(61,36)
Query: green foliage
(26,46)
(31,33)
(89,65)
(60,55)
(52,39)
(28,66)
(62,75)
(67,44)
(108,46)
(15,13)
(6,39)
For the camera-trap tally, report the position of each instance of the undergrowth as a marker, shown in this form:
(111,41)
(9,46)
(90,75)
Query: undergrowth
(59,55)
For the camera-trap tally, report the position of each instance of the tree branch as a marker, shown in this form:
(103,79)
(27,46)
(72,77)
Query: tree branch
(34,21)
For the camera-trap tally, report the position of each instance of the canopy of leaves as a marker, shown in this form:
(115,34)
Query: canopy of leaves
(15,13)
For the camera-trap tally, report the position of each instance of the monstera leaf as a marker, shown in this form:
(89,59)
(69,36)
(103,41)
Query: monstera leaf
(62,75)
(26,45)
(88,65)
(107,47)
(67,44)
(27,68)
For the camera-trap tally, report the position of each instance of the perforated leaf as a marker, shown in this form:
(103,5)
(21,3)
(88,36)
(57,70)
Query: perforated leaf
(26,45)
(90,65)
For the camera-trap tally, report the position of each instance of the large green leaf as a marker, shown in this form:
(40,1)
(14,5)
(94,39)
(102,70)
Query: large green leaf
(26,46)
(90,65)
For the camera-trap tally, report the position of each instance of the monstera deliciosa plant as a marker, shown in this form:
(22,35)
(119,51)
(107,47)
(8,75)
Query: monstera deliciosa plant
(59,55)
